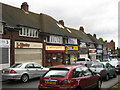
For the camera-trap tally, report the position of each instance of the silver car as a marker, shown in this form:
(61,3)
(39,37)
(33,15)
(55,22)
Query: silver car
(83,61)
(105,69)
(23,71)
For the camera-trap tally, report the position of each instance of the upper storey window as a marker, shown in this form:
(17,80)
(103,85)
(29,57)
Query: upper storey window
(28,32)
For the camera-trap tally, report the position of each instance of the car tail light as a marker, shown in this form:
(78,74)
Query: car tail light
(66,83)
(13,72)
(102,71)
(118,66)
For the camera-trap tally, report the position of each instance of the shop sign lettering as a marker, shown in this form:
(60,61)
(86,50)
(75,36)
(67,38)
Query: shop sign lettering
(55,47)
(27,45)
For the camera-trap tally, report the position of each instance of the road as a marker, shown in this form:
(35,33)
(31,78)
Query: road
(33,84)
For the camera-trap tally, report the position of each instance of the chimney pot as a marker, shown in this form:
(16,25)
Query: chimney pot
(82,28)
(94,35)
(61,22)
(105,40)
(25,6)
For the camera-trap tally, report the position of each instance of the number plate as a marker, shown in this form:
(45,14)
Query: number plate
(6,72)
(50,82)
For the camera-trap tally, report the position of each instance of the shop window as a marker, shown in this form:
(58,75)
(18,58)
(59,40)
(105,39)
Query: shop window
(28,32)
(4,52)
(1,28)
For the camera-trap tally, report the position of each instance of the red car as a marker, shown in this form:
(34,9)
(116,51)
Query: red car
(69,77)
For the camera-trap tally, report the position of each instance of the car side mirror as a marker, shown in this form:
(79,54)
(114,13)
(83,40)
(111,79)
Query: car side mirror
(41,67)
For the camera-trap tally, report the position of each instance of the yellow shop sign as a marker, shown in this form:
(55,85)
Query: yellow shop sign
(71,47)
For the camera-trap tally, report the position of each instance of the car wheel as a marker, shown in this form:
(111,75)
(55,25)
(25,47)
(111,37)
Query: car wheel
(107,77)
(24,78)
(115,74)
(78,88)
(98,85)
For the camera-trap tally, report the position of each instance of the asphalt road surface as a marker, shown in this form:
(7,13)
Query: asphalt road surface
(33,84)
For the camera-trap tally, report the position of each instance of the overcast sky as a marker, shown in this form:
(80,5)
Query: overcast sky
(96,16)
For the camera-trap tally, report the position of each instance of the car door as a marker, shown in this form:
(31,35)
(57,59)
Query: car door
(30,70)
(110,69)
(90,78)
(39,70)
(78,78)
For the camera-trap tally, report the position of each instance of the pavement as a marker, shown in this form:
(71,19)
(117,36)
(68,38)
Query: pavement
(1,76)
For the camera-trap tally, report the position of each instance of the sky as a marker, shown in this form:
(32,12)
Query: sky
(98,17)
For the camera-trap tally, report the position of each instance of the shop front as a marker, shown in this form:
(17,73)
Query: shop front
(99,54)
(105,54)
(92,54)
(28,52)
(83,53)
(71,53)
(54,55)
(4,53)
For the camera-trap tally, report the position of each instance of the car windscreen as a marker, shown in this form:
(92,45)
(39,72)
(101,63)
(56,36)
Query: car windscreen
(18,65)
(56,74)
(114,63)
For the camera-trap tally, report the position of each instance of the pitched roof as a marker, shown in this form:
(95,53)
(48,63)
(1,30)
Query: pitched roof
(81,35)
(15,16)
(94,39)
(52,26)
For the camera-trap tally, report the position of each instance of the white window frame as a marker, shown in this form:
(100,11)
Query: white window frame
(28,32)
(55,39)
(72,41)
(1,28)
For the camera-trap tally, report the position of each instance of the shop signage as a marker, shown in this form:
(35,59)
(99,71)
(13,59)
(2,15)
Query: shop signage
(92,51)
(105,52)
(72,41)
(109,53)
(83,51)
(20,44)
(99,51)
(55,47)
(71,47)
(4,43)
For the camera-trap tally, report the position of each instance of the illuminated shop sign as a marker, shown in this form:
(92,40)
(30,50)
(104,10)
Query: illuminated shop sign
(20,44)
(50,48)
(4,43)
(92,51)
(99,51)
(105,52)
(71,47)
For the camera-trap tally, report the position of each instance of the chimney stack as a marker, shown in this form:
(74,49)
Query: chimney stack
(105,41)
(61,22)
(94,35)
(82,28)
(25,6)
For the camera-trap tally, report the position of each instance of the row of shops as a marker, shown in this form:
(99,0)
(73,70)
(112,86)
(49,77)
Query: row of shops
(31,37)
(55,55)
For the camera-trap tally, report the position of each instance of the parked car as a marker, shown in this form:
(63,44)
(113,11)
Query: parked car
(116,64)
(69,77)
(105,69)
(82,61)
(106,60)
(23,71)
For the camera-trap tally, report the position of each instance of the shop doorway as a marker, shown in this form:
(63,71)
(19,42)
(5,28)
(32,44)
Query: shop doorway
(54,59)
